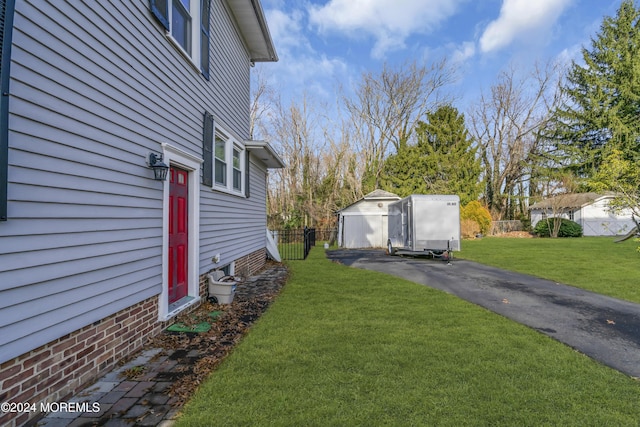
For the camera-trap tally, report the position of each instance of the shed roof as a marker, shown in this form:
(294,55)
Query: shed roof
(374,195)
(569,201)
(381,194)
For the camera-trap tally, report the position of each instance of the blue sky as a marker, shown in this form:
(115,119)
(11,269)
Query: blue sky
(323,44)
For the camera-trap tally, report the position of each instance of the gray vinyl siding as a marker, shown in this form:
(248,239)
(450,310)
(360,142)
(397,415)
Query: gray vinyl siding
(95,87)
(233,226)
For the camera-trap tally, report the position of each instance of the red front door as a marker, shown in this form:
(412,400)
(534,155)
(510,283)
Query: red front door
(178,233)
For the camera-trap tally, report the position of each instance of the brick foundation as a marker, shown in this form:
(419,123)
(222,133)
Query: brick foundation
(56,371)
(251,264)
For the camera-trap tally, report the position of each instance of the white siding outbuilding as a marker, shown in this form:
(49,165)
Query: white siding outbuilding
(590,210)
(364,223)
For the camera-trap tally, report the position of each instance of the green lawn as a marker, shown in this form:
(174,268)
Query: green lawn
(593,263)
(348,347)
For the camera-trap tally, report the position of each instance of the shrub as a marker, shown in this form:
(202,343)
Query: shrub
(469,228)
(478,213)
(567,228)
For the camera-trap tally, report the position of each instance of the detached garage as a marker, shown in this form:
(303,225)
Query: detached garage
(364,223)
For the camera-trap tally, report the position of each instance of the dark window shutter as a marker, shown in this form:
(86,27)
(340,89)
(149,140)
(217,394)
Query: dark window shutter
(160,9)
(247,175)
(207,150)
(6,30)
(205,15)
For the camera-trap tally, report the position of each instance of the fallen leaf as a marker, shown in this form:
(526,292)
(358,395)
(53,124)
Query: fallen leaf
(610,322)
(505,301)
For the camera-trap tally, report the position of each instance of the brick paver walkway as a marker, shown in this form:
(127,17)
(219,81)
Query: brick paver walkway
(145,400)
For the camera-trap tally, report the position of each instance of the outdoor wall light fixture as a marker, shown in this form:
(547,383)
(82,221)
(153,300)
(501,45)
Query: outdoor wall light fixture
(159,167)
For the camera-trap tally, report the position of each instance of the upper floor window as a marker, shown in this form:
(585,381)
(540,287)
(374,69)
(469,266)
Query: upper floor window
(181,23)
(187,25)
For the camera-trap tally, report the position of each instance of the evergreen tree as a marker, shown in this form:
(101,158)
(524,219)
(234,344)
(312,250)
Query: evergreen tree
(403,171)
(442,162)
(451,164)
(602,97)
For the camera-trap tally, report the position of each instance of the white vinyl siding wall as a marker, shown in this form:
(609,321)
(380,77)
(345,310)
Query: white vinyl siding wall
(95,87)
(595,218)
(365,224)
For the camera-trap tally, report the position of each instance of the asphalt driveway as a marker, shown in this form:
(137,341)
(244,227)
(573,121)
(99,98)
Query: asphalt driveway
(604,328)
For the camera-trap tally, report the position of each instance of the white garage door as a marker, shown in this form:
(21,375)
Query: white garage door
(365,231)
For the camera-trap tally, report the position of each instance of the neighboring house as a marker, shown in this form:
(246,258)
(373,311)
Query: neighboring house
(364,224)
(96,256)
(590,210)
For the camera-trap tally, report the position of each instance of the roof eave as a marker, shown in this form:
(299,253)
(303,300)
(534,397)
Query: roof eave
(265,153)
(255,31)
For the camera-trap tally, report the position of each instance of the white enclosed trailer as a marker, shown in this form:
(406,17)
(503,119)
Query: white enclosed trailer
(425,223)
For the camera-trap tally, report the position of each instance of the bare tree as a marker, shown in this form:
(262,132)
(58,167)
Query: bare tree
(296,128)
(386,107)
(506,123)
(322,172)
(262,101)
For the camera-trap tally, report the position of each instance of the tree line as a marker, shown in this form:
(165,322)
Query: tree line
(535,133)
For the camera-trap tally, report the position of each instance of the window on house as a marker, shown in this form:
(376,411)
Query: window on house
(237,172)
(187,25)
(181,23)
(571,212)
(220,163)
(229,168)
(228,269)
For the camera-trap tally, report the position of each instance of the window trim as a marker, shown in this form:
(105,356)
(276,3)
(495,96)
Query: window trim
(200,31)
(231,144)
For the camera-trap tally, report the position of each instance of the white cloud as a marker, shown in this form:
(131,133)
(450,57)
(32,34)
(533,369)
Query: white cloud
(572,53)
(463,52)
(521,18)
(286,29)
(389,22)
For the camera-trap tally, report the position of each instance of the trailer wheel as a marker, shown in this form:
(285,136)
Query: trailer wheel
(390,249)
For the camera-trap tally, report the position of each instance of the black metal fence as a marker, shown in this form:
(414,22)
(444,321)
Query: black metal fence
(296,244)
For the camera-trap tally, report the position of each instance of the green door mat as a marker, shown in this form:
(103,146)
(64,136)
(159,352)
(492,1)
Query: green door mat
(197,328)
